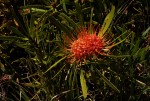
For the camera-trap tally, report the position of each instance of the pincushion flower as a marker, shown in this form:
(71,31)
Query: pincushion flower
(86,45)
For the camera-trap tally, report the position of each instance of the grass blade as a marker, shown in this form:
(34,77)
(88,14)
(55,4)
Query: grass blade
(17,32)
(9,38)
(83,84)
(107,81)
(55,64)
(69,20)
(107,21)
(146,32)
(59,25)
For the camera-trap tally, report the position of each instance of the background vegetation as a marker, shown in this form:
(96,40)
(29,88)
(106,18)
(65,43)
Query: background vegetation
(32,64)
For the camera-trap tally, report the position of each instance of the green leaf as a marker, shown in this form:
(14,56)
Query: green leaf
(2,67)
(58,72)
(142,84)
(20,22)
(120,40)
(38,10)
(79,13)
(55,64)
(23,95)
(16,31)
(8,38)
(83,84)
(68,19)
(92,9)
(64,5)
(107,81)
(136,47)
(22,92)
(59,25)
(147,89)
(107,21)
(146,32)
(3,26)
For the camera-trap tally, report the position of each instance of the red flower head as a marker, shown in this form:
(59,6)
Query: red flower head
(86,45)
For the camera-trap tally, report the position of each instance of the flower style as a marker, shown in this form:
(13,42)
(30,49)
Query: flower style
(86,45)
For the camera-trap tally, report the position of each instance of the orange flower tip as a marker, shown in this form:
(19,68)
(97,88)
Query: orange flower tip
(106,50)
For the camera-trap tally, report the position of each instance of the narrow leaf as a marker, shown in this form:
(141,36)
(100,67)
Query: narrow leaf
(83,84)
(107,21)
(20,21)
(79,13)
(146,32)
(58,72)
(147,89)
(55,64)
(16,31)
(2,67)
(64,5)
(23,95)
(107,81)
(58,24)
(119,41)
(7,38)
(38,10)
(92,9)
(68,19)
